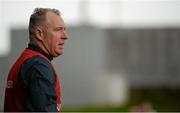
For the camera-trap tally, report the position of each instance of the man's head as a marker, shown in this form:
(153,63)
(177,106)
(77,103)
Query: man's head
(47,31)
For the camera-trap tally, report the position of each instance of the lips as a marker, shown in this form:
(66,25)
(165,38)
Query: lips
(61,44)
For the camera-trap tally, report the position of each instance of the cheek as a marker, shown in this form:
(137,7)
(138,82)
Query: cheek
(55,42)
(54,39)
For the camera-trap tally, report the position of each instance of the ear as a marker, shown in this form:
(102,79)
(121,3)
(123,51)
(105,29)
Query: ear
(39,33)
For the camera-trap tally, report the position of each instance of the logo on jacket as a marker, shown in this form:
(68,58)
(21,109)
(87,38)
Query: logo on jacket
(9,84)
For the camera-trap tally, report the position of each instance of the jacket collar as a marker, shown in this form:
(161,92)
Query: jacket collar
(36,48)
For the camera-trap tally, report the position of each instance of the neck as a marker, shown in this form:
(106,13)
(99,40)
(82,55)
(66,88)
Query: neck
(40,45)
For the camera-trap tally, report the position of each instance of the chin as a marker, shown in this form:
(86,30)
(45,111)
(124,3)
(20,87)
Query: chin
(60,53)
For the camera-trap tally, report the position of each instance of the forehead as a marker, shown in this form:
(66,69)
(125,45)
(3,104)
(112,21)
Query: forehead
(54,20)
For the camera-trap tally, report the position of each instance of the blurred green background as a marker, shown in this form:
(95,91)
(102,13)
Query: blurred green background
(161,100)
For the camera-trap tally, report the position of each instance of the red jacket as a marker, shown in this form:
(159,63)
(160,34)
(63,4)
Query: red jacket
(15,95)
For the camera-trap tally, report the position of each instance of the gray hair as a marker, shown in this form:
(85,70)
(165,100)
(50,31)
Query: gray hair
(38,17)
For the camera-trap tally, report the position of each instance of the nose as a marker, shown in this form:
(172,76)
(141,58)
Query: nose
(65,35)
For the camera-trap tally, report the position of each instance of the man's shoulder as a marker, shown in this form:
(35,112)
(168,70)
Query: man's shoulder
(38,65)
(37,60)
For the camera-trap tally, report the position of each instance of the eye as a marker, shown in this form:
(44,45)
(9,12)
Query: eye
(59,29)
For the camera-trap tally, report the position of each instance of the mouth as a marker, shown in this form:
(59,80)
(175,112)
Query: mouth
(61,46)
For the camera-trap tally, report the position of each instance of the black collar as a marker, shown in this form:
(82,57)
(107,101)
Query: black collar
(36,48)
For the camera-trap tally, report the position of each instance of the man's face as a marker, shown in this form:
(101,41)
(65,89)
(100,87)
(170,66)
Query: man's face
(54,34)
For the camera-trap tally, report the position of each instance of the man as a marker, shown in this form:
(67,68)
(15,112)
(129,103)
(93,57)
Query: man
(32,84)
